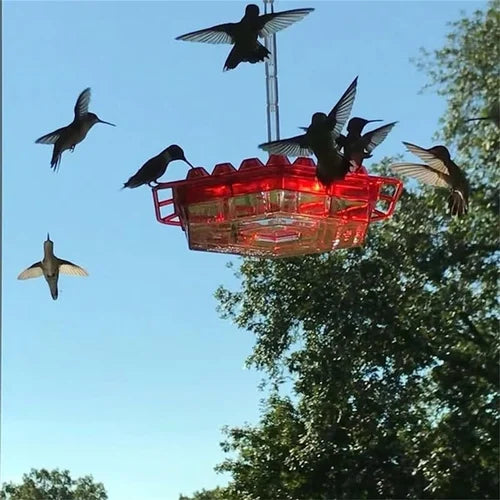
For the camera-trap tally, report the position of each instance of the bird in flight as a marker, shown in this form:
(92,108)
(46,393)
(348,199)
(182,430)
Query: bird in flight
(244,34)
(50,267)
(438,170)
(357,147)
(320,139)
(68,137)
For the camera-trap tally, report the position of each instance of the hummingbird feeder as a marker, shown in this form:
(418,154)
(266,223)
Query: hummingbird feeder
(279,209)
(275,210)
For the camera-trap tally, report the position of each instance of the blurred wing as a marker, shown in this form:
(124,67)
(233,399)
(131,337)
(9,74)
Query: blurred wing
(341,111)
(423,173)
(34,271)
(222,33)
(50,138)
(82,104)
(373,138)
(294,146)
(427,157)
(277,21)
(67,267)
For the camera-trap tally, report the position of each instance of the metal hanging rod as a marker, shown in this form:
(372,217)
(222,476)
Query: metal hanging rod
(273,117)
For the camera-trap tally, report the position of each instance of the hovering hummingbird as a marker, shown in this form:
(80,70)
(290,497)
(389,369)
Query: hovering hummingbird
(50,267)
(357,147)
(493,114)
(155,167)
(243,35)
(439,170)
(68,137)
(320,139)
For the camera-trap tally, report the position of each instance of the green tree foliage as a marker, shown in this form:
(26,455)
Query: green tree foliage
(215,494)
(466,72)
(391,349)
(53,485)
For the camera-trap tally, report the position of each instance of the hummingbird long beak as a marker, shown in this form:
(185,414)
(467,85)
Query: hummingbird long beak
(184,159)
(480,118)
(107,123)
(48,237)
(371,121)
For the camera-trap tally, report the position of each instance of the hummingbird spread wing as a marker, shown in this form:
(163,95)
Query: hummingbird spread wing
(222,33)
(34,271)
(341,111)
(52,137)
(423,173)
(373,138)
(67,267)
(82,104)
(426,156)
(277,21)
(294,146)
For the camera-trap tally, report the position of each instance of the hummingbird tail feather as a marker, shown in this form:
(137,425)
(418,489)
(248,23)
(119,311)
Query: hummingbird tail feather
(260,54)
(457,203)
(56,160)
(54,292)
(133,182)
(257,54)
(233,59)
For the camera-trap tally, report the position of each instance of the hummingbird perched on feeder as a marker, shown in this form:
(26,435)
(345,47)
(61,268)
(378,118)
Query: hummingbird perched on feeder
(155,167)
(68,137)
(320,139)
(50,267)
(441,171)
(357,147)
(243,35)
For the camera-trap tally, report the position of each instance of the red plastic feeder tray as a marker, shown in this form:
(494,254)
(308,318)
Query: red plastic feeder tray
(275,210)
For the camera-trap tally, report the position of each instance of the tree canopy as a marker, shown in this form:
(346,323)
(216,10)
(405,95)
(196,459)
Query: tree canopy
(53,485)
(391,349)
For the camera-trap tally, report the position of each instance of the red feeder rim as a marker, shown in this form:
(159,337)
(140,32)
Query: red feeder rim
(275,210)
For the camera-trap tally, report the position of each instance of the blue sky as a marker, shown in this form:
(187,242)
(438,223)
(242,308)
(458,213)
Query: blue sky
(131,374)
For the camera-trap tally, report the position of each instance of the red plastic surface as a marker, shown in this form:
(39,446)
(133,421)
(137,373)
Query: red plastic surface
(275,210)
